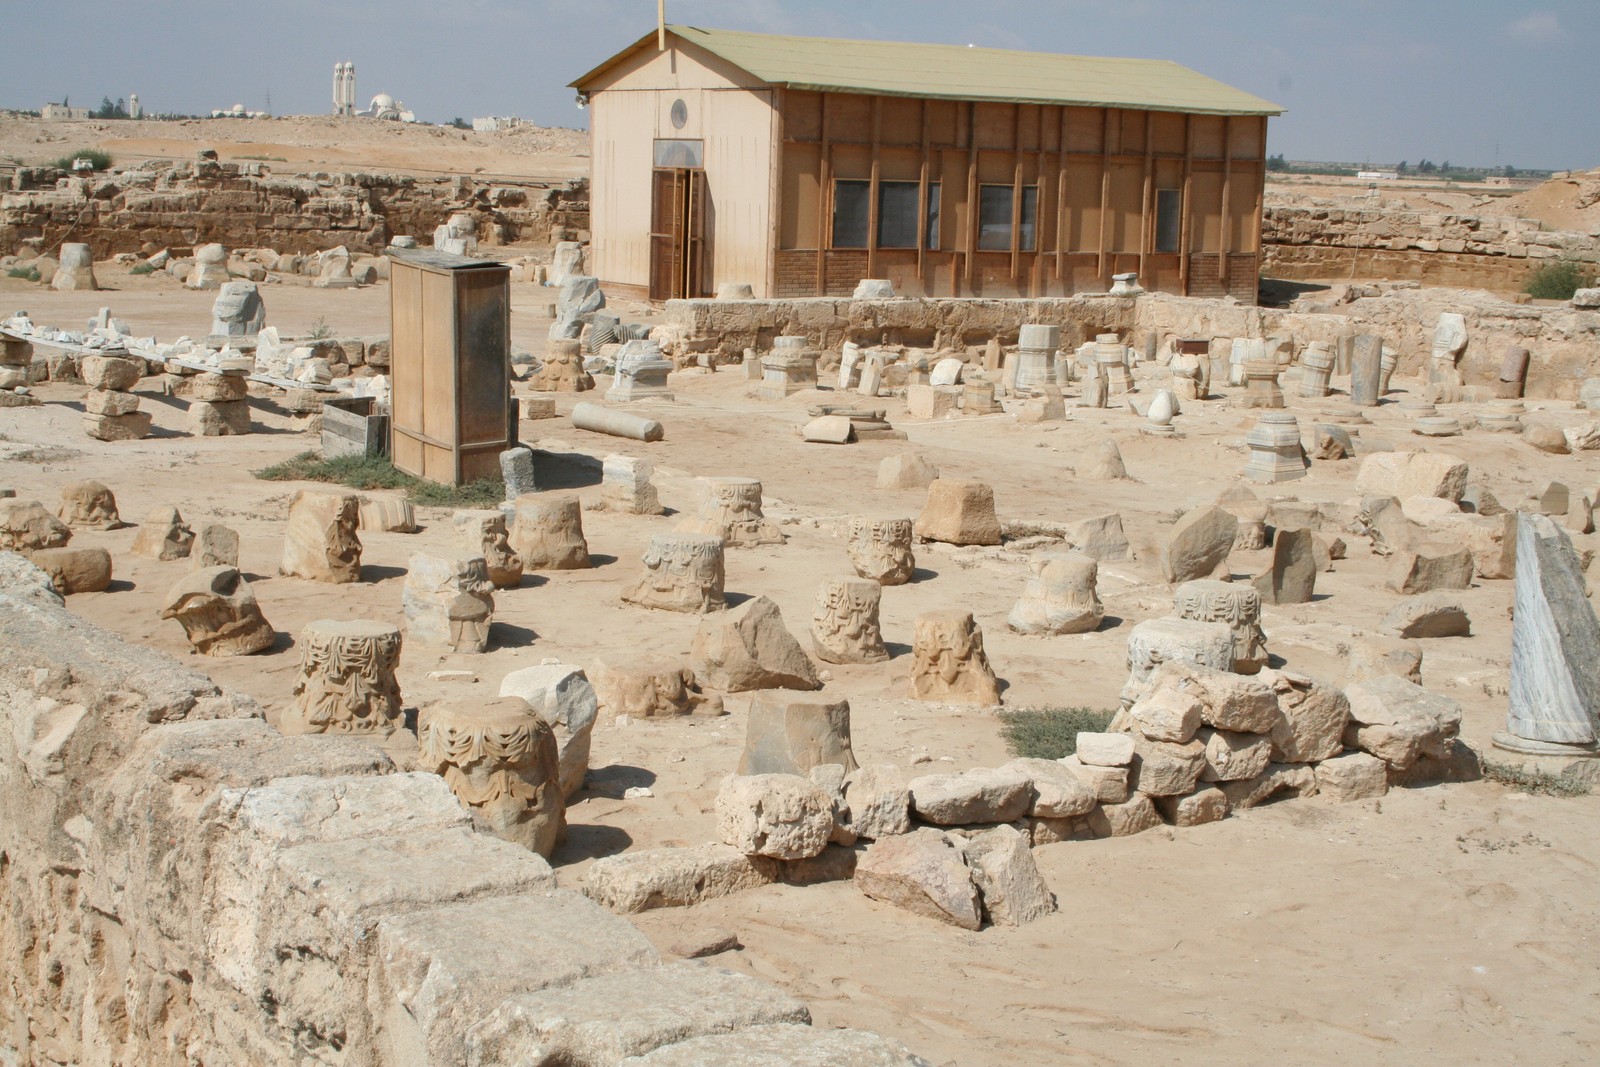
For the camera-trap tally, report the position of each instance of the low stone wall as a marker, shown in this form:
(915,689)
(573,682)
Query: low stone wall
(243,205)
(1564,342)
(182,885)
(731,326)
(1329,240)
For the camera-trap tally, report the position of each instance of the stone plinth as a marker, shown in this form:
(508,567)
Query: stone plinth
(1276,454)
(844,626)
(790,367)
(730,509)
(881,549)
(948,661)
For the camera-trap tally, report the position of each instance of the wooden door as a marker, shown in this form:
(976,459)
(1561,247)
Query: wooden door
(677,233)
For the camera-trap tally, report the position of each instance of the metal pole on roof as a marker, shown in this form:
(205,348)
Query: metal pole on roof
(661,25)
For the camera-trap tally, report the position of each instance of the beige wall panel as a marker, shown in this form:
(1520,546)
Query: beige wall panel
(944,122)
(623,132)
(901,121)
(1244,193)
(681,66)
(849,117)
(1208,137)
(1125,230)
(738,175)
(1247,135)
(802,116)
(1083,205)
(1166,132)
(1205,211)
(1133,129)
(997,125)
(1084,129)
(801,194)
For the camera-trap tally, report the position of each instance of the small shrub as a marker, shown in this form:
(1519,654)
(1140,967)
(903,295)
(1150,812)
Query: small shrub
(142,268)
(1049,733)
(99,160)
(1532,780)
(320,330)
(376,472)
(27,274)
(1559,280)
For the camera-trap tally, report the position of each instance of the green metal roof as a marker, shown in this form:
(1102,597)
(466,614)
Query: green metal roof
(953,72)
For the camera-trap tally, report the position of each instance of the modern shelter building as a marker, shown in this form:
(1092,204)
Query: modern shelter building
(803,165)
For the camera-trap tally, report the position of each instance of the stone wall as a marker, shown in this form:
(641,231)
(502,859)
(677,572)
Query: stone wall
(179,884)
(1327,239)
(243,205)
(731,326)
(1564,342)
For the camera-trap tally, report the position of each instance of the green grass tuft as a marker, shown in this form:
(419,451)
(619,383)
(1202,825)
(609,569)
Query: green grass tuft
(142,268)
(100,160)
(1529,780)
(376,472)
(1049,733)
(1559,280)
(27,274)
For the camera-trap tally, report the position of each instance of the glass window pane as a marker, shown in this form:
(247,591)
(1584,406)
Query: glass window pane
(670,153)
(1169,218)
(850,203)
(1030,217)
(933,215)
(994,218)
(897,214)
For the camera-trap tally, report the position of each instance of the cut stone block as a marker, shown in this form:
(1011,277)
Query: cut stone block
(1164,769)
(979,795)
(606,1019)
(1353,776)
(1427,615)
(924,872)
(1013,891)
(1295,779)
(1208,804)
(1231,757)
(674,877)
(783,816)
(1398,721)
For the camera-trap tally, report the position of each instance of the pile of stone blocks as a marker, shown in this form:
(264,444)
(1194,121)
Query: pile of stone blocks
(111,410)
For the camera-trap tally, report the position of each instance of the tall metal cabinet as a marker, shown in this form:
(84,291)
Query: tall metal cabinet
(449,365)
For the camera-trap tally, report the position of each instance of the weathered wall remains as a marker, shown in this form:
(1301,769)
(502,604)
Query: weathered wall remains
(731,326)
(243,205)
(1564,342)
(1327,239)
(180,885)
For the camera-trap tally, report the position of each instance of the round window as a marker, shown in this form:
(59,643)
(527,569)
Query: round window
(680,114)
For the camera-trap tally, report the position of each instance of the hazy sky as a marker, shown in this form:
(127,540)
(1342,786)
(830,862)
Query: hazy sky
(1485,82)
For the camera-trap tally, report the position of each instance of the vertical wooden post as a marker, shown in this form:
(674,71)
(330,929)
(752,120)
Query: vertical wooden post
(1061,198)
(1146,222)
(1185,235)
(1226,244)
(1105,185)
(824,200)
(775,192)
(922,203)
(972,191)
(872,189)
(1016,193)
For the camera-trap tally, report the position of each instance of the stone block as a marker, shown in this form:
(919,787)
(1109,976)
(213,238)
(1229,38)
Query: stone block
(1105,750)
(1058,791)
(959,513)
(979,795)
(783,816)
(1231,757)
(877,802)
(1398,721)
(924,872)
(1312,718)
(674,877)
(1109,784)
(440,966)
(1297,780)
(1198,545)
(563,697)
(1352,776)
(1164,769)
(1430,567)
(749,648)
(1405,474)
(605,1019)
(1207,804)
(1437,614)
(1013,891)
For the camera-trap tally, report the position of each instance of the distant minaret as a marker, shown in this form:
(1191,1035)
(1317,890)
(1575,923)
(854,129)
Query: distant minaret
(134,110)
(349,88)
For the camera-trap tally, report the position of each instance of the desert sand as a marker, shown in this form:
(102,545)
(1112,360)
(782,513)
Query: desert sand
(1449,923)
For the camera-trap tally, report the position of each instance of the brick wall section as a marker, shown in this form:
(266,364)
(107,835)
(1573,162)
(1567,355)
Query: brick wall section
(246,206)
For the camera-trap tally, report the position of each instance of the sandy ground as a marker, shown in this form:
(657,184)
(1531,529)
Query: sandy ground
(1446,924)
(309,142)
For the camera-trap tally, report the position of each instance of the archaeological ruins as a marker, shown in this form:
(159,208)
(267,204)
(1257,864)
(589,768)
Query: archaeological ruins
(978,578)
